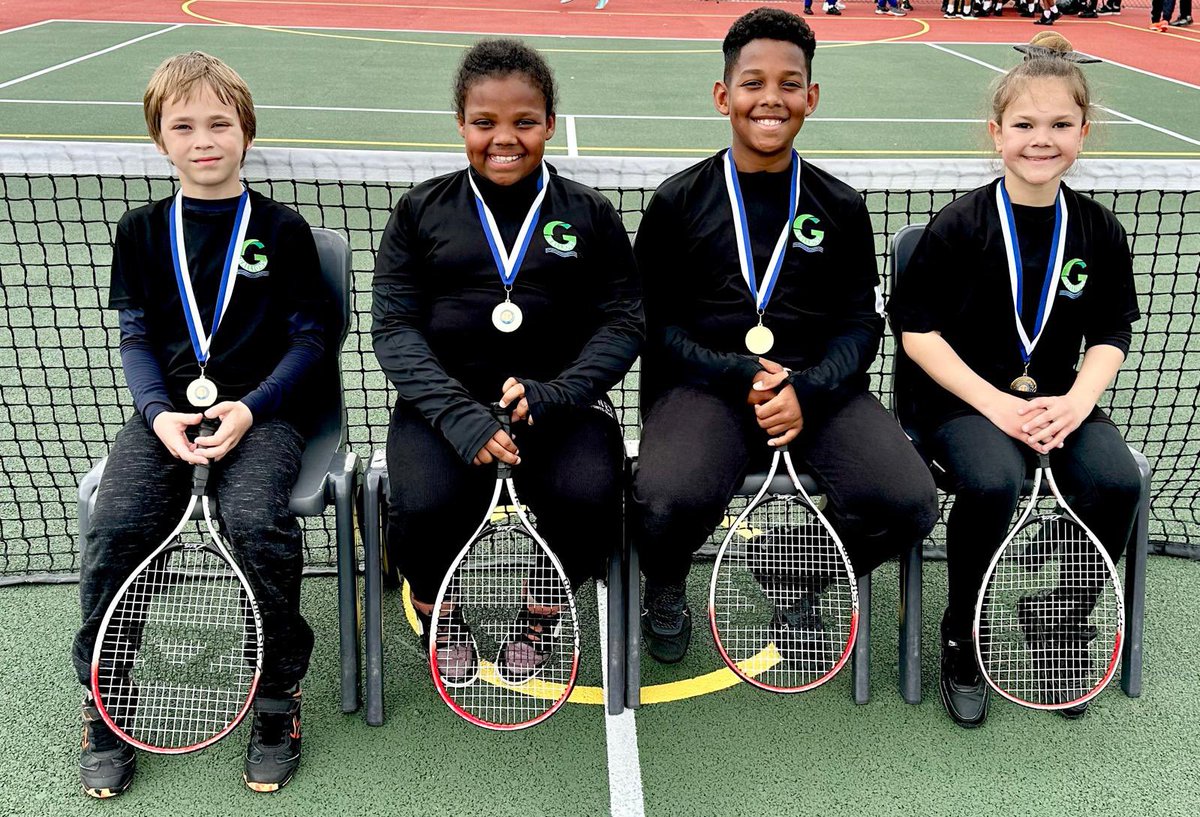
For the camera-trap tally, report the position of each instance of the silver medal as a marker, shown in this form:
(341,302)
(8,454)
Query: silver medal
(202,392)
(507,317)
(759,340)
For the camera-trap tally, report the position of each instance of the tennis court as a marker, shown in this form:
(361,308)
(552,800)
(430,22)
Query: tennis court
(345,91)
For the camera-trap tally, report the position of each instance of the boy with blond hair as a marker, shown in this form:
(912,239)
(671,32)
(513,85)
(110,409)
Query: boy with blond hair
(220,310)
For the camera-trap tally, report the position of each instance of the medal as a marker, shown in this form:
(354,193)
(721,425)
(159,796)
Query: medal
(202,392)
(759,339)
(1024,384)
(507,316)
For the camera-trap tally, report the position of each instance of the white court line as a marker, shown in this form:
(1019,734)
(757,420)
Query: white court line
(23,28)
(625,797)
(572,138)
(88,56)
(1132,119)
(631,116)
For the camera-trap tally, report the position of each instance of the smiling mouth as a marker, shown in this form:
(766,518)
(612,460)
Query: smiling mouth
(505,159)
(1042,158)
(768,121)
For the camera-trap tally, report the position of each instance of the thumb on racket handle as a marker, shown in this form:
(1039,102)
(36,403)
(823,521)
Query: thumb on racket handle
(208,427)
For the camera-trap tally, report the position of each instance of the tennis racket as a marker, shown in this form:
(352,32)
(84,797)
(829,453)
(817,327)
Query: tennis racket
(504,645)
(179,652)
(1050,619)
(783,601)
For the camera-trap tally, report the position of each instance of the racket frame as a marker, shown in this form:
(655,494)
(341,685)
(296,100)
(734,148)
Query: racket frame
(782,454)
(1045,473)
(215,545)
(503,481)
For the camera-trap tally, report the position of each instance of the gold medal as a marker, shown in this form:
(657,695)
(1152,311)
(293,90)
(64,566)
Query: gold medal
(202,392)
(507,317)
(759,340)
(1024,384)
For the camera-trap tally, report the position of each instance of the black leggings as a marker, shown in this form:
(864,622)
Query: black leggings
(570,476)
(697,448)
(141,497)
(986,469)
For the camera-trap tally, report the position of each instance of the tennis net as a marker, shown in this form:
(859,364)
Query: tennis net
(64,396)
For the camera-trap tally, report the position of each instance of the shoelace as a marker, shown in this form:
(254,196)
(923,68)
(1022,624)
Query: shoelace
(667,607)
(99,736)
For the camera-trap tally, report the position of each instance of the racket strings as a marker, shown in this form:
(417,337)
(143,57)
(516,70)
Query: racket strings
(783,606)
(1051,616)
(512,603)
(180,655)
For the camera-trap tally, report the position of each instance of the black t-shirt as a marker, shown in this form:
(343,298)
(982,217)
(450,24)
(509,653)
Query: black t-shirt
(436,285)
(277,307)
(957,283)
(826,309)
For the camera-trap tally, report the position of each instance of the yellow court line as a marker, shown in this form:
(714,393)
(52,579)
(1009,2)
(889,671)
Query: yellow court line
(186,8)
(1146,30)
(259,140)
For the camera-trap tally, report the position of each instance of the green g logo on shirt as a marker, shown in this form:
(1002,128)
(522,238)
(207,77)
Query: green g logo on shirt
(810,240)
(561,241)
(1073,285)
(253,265)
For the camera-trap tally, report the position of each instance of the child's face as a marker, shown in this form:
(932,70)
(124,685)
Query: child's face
(504,127)
(1040,136)
(203,138)
(767,98)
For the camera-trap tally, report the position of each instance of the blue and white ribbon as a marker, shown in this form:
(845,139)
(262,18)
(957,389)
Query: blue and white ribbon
(201,342)
(1012,249)
(509,264)
(760,291)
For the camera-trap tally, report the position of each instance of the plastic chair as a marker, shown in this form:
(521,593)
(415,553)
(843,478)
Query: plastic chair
(328,471)
(860,659)
(903,245)
(381,569)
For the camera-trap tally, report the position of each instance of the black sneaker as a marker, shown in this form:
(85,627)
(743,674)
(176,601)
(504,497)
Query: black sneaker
(1044,21)
(808,10)
(964,692)
(529,646)
(457,652)
(1107,10)
(274,751)
(106,763)
(799,636)
(1185,20)
(666,620)
(833,10)
(1074,713)
(1089,14)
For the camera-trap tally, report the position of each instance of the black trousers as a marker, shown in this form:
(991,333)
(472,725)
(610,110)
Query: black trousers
(141,497)
(570,476)
(986,469)
(696,449)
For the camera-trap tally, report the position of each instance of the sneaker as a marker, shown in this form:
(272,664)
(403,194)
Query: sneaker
(1054,15)
(964,692)
(1089,14)
(906,5)
(1044,21)
(1185,20)
(833,10)
(274,751)
(879,10)
(799,636)
(897,12)
(457,652)
(1024,12)
(949,15)
(808,10)
(1159,26)
(666,622)
(106,763)
(1106,10)
(840,5)
(529,647)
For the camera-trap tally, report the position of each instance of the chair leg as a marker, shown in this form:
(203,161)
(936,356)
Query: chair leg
(617,630)
(862,646)
(1135,588)
(343,486)
(633,631)
(910,625)
(373,519)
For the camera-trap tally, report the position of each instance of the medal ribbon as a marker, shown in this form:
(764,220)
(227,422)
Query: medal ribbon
(508,265)
(183,278)
(759,291)
(1012,249)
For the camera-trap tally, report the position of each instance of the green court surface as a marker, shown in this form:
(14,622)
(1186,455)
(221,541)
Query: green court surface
(391,89)
(737,751)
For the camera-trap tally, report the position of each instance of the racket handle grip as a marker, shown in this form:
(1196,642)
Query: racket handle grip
(1043,461)
(503,416)
(200,472)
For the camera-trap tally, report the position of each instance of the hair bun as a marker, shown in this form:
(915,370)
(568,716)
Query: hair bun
(1052,45)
